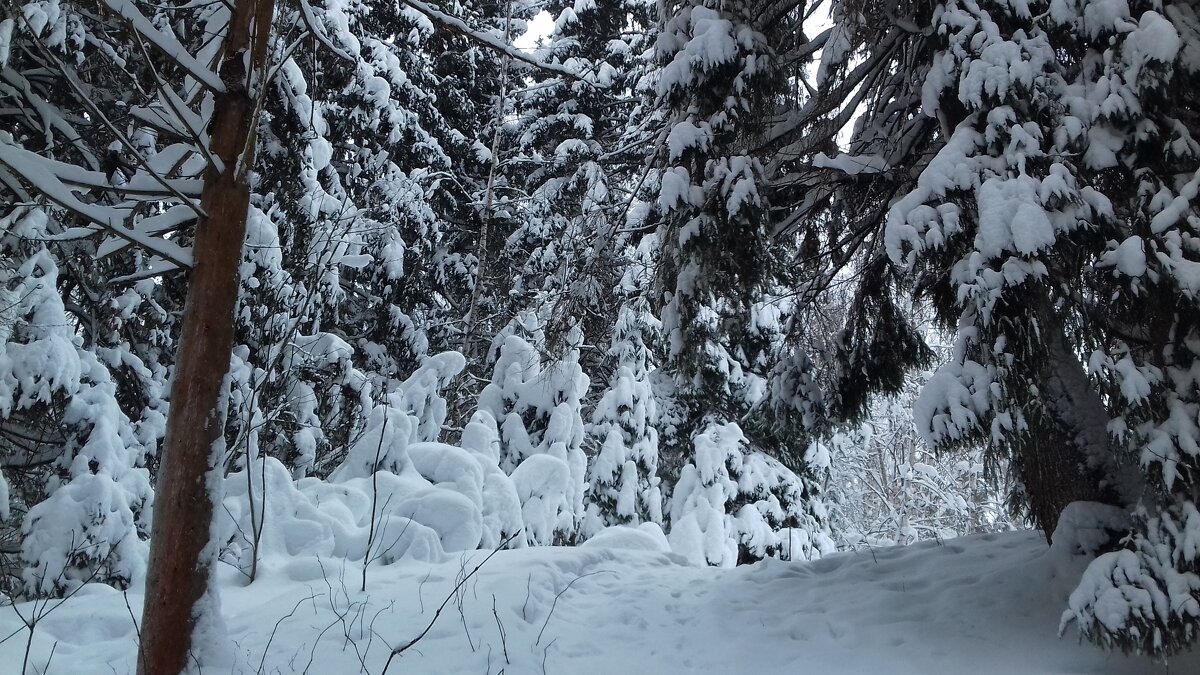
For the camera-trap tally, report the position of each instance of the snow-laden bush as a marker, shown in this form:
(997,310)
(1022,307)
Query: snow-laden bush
(334,519)
(95,515)
(413,413)
(502,512)
(398,491)
(731,506)
(644,537)
(887,486)
(428,499)
(623,481)
(539,410)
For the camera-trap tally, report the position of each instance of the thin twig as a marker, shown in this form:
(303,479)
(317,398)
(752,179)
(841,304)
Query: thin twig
(398,651)
(549,614)
(263,661)
(503,634)
(137,630)
(546,653)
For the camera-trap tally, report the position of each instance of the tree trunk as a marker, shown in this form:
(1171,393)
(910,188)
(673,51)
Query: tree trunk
(1054,474)
(1068,457)
(180,552)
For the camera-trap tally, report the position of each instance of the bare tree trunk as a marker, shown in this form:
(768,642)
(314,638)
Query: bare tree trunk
(180,556)
(482,254)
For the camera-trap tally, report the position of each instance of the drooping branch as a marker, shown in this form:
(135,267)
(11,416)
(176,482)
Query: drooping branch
(459,26)
(164,43)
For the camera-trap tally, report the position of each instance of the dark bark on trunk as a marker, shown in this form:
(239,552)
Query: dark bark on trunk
(178,573)
(1068,457)
(1054,475)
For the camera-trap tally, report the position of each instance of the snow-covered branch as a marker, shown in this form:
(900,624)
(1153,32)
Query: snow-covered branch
(492,42)
(165,43)
(36,170)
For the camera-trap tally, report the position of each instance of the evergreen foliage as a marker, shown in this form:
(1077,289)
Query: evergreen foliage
(623,479)
(1039,159)
(624,279)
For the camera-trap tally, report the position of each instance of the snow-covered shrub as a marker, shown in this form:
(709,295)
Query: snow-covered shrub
(93,520)
(334,519)
(413,413)
(517,364)
(623,481)
(429,499)
(886,486)
(423,393)
(397,492)
(502,513)
(644,537)
(540,419)
(542,483)
(383,444)
(731,506)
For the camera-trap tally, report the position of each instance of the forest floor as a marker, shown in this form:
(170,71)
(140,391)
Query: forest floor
(977,605)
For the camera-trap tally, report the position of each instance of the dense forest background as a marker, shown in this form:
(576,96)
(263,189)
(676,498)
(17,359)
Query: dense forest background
(773,277)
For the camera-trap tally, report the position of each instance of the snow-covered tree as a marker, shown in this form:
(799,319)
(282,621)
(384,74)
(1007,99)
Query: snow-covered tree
(575,165)
(1054,160)
(732,505)
(712,219)
(59,407)
(541,432)
(85,332)
(722,264)
(623,481)
(176,102)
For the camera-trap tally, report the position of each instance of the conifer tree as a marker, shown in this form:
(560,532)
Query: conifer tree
(86,333)
(734,506)
(94,517)
(722,266)
(1047,225)
(539,410)
(713,221)
(575,165)
(623,481)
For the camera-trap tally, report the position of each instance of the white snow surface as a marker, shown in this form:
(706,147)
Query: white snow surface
(979,605)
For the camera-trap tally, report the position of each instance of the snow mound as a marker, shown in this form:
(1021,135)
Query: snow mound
(445,500)
(645,537)
(1085,528)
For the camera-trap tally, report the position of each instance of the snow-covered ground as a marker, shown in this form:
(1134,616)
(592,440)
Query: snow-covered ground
(978,605)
